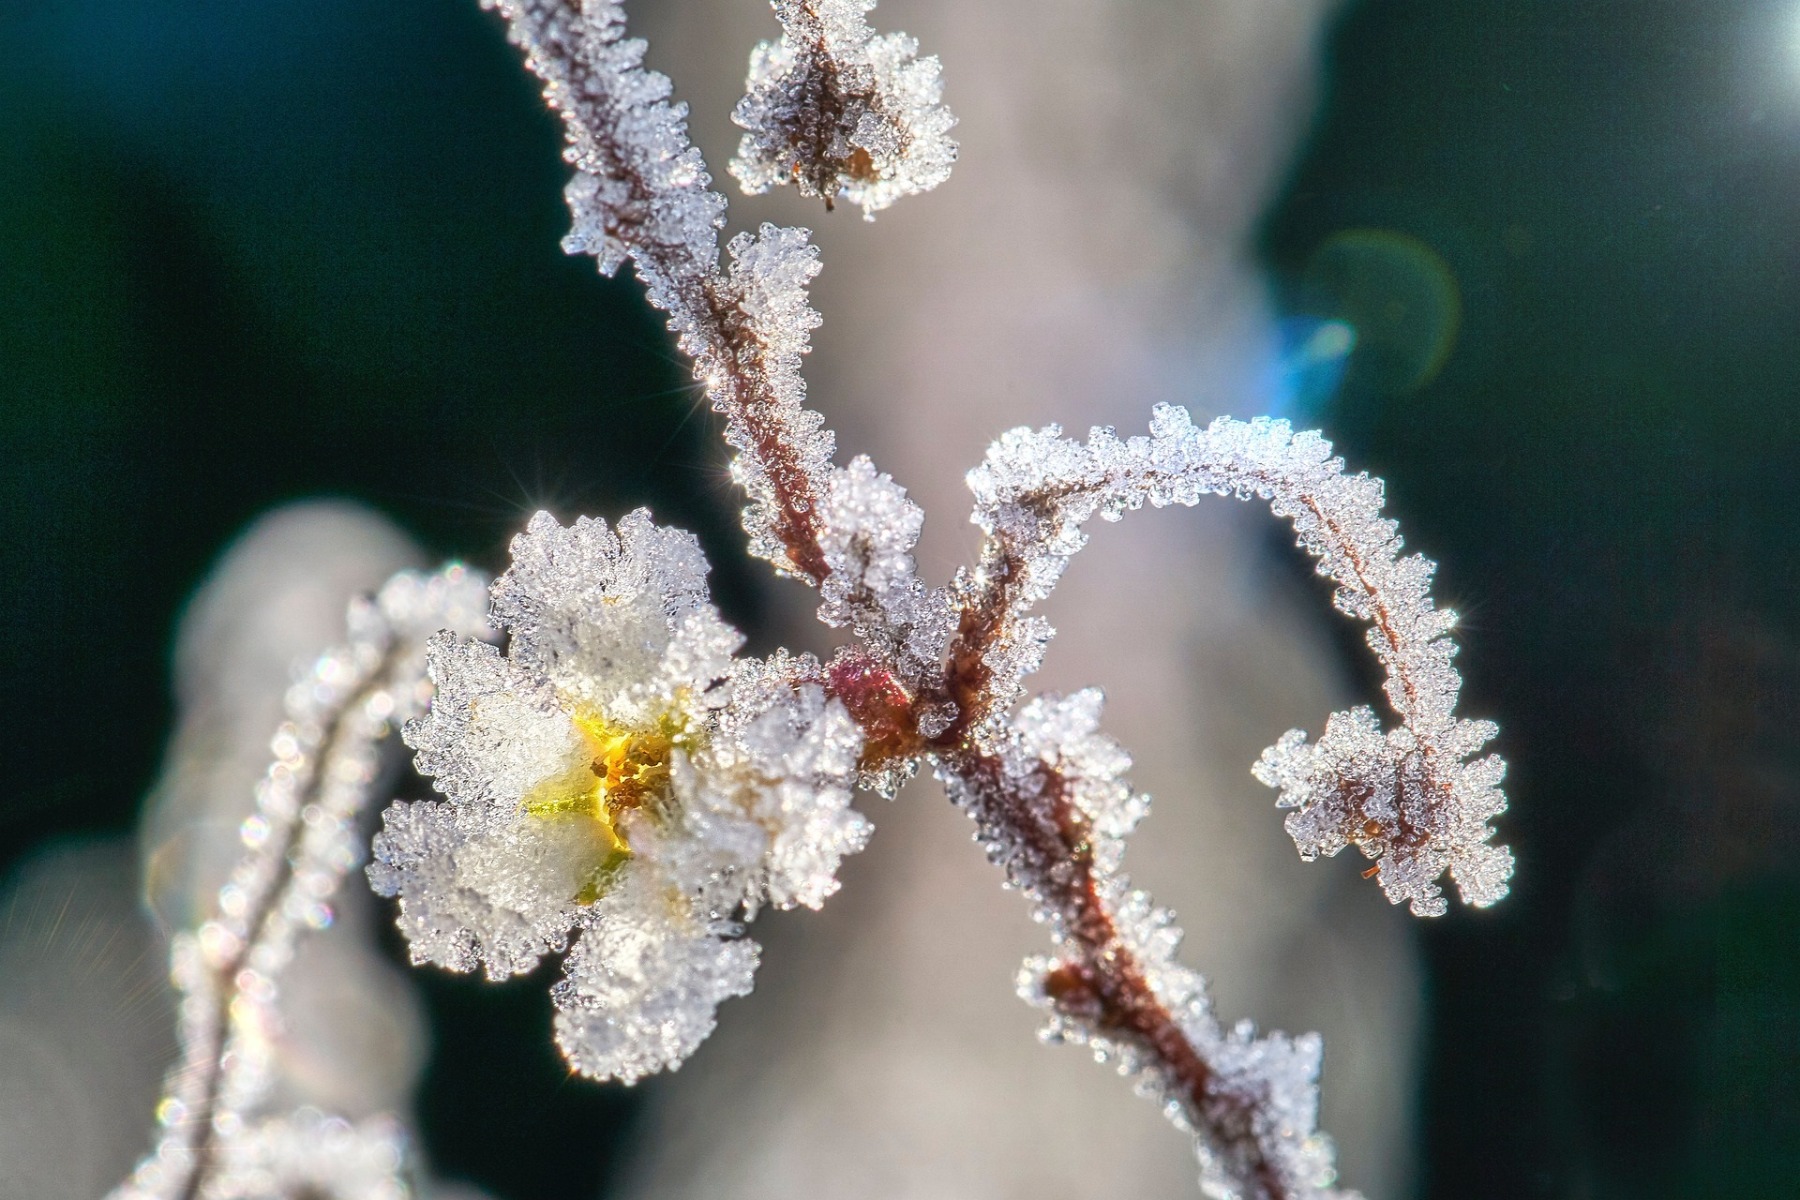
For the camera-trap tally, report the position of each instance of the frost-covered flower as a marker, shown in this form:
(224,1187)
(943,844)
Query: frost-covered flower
(619,776)
(837,109)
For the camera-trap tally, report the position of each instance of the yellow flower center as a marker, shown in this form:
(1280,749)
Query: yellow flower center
(625,769)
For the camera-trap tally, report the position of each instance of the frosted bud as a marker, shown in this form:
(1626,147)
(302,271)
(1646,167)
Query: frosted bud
(1417,811)
(838,110)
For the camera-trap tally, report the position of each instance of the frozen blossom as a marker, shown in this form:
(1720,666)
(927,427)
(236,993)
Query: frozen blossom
(836,109)
(1408,797)
(618,778)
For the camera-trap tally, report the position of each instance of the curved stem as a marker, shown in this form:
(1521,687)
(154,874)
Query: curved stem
(259,920)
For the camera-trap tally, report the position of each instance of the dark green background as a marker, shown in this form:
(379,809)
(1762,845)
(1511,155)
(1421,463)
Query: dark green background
(256,252)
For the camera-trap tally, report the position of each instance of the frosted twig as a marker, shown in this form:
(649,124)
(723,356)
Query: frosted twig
(641,192)
(216,1142)
(1409,798)
(1052,808)
(697,793)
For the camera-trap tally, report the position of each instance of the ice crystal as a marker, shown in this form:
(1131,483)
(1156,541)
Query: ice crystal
(869,531)
(216,1142)
(617,776)
(1408,798)
(618,784)
(1115,984)
(836,109)
(753,375)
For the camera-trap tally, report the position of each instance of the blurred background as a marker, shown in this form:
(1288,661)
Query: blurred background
(1532,262)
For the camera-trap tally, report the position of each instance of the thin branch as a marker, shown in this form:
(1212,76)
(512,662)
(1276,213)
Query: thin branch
(294,785)
(299,842)
(1099,985)
(642,193)
(1409,795)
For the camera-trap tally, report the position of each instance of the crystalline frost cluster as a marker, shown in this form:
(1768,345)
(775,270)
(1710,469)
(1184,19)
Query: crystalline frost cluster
(618,785)
(618,779)
(836,109)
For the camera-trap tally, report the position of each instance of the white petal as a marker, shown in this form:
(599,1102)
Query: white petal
(489,736)
(613,621)
(785,757)
(475,889)
(643,985)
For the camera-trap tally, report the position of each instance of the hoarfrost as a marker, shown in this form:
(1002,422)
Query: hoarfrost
(836,109)
(618,776)
(639,180)
(784,453)
(1115,984)
(1407,798)
(869,530)
(217,1143)
(642,987)
(1380,792)
(785,758)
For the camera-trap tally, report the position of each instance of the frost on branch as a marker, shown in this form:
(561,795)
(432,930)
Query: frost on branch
(1357,786)
(1408,798)
(617,777)
(869,529)
(224,1136)
(1053,807)
(641,192)
(639,182)
(784,453)
(838,110)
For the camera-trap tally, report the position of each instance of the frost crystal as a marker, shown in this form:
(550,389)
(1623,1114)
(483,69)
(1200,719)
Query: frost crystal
(616,775)
(641,191)
(1408,798)
(837,110)
(1115,984)
(869,531)
(217,1142)
(639,181)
